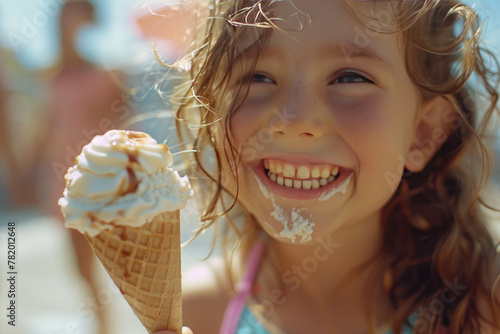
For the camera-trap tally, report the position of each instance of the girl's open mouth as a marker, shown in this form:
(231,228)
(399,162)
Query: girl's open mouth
(300,181)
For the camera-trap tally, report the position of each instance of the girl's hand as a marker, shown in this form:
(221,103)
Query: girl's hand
(185,330)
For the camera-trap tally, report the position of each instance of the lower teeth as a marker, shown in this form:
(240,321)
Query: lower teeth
(297,184)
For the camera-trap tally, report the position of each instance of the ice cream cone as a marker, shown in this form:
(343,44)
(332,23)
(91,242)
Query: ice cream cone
(124,197)
(145,263)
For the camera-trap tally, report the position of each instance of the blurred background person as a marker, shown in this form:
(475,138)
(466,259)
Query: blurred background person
(79,103)
(80,99)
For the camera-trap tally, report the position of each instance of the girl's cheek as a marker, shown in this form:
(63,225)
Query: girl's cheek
(239,131)
(248,120)
(360,116)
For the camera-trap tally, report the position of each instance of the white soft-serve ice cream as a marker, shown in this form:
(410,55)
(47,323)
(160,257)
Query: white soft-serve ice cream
(122,178)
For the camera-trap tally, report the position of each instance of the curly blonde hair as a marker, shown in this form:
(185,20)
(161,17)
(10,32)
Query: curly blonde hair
(434,232)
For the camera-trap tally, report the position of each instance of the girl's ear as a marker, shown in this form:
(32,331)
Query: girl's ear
(435,122)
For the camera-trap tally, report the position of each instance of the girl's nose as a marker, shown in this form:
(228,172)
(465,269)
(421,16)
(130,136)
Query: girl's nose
(302,115)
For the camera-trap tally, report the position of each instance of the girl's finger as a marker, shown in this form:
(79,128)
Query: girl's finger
(185,330)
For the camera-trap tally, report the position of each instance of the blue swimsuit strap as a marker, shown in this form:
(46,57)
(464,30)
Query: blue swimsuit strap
(249,324)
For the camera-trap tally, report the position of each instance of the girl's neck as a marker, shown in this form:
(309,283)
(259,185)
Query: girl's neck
(325,280)
(317,269)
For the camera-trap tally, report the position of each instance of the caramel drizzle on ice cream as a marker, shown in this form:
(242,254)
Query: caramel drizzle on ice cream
(136,135)
(133,184)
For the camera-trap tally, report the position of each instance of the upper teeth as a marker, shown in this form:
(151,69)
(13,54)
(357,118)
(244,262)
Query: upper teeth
(301,172)
(302,177)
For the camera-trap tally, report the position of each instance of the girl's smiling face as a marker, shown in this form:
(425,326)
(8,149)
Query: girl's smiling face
(330,108)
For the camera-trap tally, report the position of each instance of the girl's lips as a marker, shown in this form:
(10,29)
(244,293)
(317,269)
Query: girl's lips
(293,193)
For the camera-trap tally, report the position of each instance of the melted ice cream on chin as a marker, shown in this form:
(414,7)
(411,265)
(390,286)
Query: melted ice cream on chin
(296,227)
(121,178)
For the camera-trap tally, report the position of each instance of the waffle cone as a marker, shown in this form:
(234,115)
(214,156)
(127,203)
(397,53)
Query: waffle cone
(145,264)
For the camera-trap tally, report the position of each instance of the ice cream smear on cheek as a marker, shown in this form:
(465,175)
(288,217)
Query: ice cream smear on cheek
(296,227)
(263,189)
(340,189)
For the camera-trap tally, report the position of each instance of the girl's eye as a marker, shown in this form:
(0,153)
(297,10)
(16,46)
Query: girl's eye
(350,78)
(262,78)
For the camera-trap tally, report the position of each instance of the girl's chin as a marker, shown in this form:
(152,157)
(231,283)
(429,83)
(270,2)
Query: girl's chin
(283,235)
(293,224)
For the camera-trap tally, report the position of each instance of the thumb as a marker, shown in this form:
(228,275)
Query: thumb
(185,330)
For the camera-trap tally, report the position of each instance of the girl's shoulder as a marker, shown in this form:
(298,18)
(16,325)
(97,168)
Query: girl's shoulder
(206,292)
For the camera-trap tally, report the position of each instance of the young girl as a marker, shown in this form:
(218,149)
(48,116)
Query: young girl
(341,141)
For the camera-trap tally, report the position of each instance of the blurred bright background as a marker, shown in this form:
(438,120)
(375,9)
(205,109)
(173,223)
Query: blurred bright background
(55,101)
(53,298)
